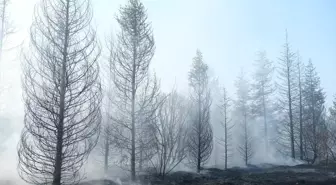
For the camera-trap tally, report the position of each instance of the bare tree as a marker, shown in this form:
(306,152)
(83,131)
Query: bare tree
(200,141)
(243,111)
(286,89)
(170,131)
(226,141)
(263,89)
(62,94)
(136,93)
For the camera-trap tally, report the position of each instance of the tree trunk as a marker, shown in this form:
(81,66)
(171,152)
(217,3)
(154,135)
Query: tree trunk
(133,125)
(106,155)
(133,174)
(301,120)
(59,145)
(290,112)
(265,122)
(246,139)
(226,150)
(315,150)
(199,135)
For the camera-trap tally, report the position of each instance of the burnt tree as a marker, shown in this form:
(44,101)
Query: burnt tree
(62,94)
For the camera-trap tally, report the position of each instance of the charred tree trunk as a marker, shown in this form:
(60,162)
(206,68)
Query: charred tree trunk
(59,146)
(290,114)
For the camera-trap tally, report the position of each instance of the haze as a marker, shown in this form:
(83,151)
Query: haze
(229,33)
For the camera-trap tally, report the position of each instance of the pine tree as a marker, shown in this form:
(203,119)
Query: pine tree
(200,141)
(287,89)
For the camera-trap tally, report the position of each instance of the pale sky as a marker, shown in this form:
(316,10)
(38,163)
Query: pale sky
(229,33)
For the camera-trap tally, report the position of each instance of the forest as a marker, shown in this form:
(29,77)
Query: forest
(88,99)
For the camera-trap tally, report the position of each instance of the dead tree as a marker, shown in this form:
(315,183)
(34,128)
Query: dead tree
(170,131)
(200,141)
(62,94)
(136,91)
(244,113)
(287,89)
(226,141)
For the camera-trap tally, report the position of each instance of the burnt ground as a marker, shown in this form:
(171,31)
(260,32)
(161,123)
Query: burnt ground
(253,175)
